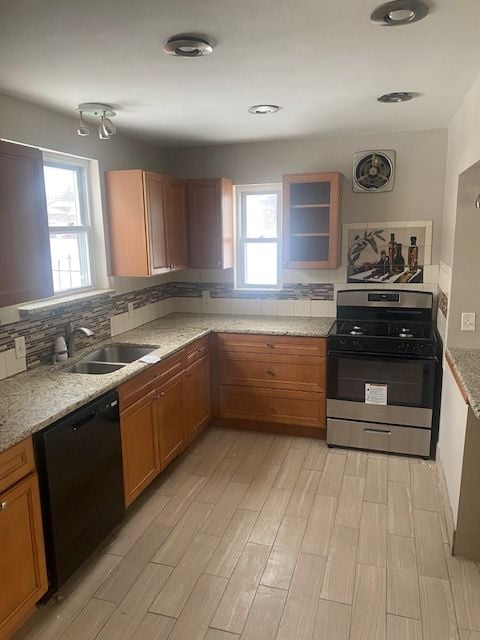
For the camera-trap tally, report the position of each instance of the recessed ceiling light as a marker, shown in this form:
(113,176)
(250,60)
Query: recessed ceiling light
(397,96)
(399,12)
(188,47)
(263,109)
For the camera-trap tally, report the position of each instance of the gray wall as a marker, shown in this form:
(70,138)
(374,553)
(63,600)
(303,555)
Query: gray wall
(419,184)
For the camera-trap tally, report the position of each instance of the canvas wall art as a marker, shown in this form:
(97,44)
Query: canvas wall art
(387,254)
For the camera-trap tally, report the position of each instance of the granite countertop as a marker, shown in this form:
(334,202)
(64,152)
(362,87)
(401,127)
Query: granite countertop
(36,398)
(466,364)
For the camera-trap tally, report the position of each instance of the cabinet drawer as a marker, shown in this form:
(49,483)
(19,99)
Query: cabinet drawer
(379,437)
(270,405)
(196,350)
(294,345)
(137,387)
(16,463)
(272,371)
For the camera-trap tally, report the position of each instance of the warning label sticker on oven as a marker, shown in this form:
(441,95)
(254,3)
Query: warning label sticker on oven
(375,393)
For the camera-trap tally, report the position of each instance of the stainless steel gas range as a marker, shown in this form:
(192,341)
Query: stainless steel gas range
(384,372)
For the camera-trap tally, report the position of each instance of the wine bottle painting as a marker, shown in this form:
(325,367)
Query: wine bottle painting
(386,255)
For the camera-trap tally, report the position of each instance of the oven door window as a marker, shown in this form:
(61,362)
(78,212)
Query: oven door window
(409,381)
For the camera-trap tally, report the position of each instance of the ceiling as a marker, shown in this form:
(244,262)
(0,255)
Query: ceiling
(323,61)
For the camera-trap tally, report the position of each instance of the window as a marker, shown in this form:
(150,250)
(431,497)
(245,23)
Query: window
(68,222)
(258,236)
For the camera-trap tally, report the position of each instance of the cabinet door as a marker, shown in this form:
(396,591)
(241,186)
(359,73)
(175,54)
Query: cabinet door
(197,397)
(170,420)
(204,224)
(139,446)
(176,224)
(155,210)
(25,266)
(23,576)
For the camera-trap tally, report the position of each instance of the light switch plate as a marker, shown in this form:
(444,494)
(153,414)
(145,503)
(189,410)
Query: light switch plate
(131,310)
(20,348)
(468,321)
(206,295)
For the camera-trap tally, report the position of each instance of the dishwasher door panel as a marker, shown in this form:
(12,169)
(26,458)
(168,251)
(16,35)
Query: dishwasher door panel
(80,465)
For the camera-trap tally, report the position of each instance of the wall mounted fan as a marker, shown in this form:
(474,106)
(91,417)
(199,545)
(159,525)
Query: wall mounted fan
(373,171)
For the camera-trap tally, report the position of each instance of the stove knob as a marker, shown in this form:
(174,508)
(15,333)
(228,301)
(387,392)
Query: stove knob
(357,344)
(402,346)
(343,342)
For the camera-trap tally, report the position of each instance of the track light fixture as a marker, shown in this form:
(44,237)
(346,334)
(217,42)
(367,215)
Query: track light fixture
(106,128)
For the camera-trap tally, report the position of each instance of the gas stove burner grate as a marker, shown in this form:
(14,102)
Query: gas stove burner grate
(357,331)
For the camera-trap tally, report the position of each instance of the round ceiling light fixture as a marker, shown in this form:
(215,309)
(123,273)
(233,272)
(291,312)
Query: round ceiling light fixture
(263,109)
(399,12)
(397,96)
(188,47)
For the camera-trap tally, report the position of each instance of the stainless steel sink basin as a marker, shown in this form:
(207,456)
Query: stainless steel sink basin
(118,353)
(95,368)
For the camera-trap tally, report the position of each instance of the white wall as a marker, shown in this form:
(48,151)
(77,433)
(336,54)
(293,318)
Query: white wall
(453,424)
(419,184)
(463,152)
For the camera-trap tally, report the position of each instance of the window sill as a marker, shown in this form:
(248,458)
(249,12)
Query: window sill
(58,302)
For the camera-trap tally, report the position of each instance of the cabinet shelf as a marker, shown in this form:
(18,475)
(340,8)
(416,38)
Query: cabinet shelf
(313,206)
(312,220)
(308,235)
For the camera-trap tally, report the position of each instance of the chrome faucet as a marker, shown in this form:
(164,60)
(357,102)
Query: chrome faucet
(70,332)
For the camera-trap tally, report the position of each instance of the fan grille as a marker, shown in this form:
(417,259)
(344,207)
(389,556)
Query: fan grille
(373,171)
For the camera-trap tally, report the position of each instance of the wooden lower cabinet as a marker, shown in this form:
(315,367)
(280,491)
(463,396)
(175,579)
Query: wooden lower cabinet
(140,451)
(272,379)
(197,407)
(273,405)
(170,420)
(23,576)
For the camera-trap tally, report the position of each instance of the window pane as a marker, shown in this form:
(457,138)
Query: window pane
(63,202)
(70,260)
(261,215)
(261,263)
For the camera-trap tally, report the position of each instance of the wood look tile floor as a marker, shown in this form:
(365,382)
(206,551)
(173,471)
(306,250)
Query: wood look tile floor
(253,536)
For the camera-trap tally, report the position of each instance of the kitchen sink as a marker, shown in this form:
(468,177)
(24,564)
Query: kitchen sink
(95,368)
(118,353)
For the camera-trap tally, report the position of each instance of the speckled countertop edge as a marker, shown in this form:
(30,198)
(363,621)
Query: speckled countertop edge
(466,364)
(36,398)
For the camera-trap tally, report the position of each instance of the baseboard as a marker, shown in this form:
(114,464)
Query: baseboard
(446,507)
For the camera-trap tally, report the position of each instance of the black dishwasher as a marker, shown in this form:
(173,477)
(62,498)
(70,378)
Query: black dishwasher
(79,462)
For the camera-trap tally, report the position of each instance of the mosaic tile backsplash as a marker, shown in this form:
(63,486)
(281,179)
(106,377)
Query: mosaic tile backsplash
(41,327)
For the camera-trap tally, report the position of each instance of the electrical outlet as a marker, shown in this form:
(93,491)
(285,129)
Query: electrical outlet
(20,349)
(468,322)
(205,295)
(131,310)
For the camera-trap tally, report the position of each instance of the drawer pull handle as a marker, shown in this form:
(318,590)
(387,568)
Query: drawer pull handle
(270,346)
(270,372)
(381,431)
(3,505)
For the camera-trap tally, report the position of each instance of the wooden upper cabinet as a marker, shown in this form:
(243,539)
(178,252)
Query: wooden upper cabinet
(176,223)
(146,213)
(311,220)
(210,223)
(25,265)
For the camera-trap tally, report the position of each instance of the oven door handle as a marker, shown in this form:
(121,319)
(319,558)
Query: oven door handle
(384,432)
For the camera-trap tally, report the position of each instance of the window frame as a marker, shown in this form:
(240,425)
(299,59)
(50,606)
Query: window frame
(241,193)
(82,168)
